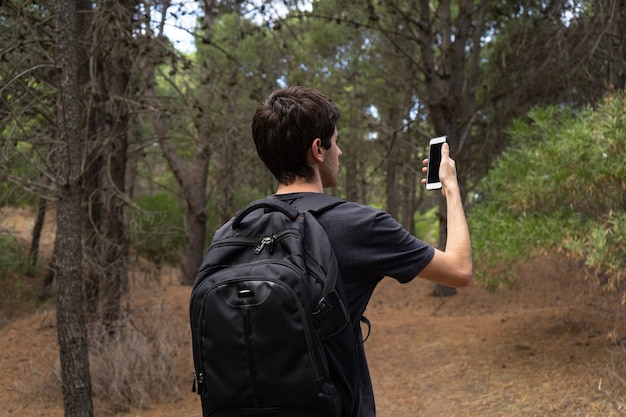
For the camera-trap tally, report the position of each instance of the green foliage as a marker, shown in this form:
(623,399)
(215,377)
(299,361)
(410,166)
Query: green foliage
(15,267)
(13,260)
(427,225)
(603,248)
(157,229)
(560,186)
(27,101)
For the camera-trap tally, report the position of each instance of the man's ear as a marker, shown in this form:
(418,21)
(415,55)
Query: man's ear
(316,150)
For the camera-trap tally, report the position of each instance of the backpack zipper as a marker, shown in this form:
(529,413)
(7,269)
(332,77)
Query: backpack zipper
(259,244)
(198,380)
(267,240)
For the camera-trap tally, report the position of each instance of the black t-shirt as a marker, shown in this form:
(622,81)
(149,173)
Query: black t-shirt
(369,245)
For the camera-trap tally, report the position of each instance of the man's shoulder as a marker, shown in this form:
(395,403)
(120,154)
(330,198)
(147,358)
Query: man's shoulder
(337,203)
(351,217)
(351,207)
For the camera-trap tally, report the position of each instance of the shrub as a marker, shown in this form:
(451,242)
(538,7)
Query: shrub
(427,225)
(13,260)
(16,291)
(139,365)
(157,230)
(560,186)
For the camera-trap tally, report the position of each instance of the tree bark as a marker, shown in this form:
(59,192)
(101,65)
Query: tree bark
(616,14)
(352,146)
(105,75)
(72,335)
(191,175)
(192,180)
(90,74)
(449,84)
(117,65)
(33,254)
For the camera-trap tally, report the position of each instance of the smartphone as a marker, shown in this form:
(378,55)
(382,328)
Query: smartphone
(434,161)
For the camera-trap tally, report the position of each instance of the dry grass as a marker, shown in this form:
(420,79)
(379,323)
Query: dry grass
(138,366)
(613,380)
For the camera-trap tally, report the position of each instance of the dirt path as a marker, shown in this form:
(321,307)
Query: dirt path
(543,350)
(553,346)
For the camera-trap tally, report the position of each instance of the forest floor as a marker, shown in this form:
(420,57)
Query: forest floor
(554,345)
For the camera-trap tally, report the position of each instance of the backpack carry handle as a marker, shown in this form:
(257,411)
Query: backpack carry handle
(268,204)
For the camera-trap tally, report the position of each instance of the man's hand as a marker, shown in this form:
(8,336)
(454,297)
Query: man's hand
(447,170)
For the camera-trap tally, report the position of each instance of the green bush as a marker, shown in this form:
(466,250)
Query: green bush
(560,186)
(15,288)
(157,229)
(13,261)
(427,225)
(603,248)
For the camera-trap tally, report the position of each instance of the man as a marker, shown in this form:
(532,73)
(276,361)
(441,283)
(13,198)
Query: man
(295,134)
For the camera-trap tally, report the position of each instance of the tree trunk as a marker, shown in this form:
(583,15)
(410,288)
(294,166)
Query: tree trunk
(227,152)
(352,147)
(90,74)
(392,171)
(33,254)
(409,201)
(192,180)
(617,64)
(191,175)
(449,83)
(72,335)
(117,72)
(105,73)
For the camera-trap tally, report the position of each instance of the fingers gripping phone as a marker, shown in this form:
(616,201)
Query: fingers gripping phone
(434,161)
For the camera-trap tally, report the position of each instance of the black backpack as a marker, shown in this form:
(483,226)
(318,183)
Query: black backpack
(270,332)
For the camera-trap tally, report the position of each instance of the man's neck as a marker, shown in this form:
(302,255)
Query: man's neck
(300,187)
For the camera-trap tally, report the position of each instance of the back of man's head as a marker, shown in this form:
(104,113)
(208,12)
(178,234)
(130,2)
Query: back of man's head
(285,125)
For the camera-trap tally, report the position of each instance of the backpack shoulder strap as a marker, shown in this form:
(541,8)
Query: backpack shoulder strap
(316,204)
(269,204)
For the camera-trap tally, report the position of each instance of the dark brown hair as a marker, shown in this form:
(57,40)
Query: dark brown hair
(285,125)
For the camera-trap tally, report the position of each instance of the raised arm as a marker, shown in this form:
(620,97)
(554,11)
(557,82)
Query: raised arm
(453,266)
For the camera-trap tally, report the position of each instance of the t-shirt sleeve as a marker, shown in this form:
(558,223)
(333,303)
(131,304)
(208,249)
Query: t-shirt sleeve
(371,243)
(397,254)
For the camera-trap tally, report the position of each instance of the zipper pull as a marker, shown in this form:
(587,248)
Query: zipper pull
(272,244)
(265,241)
(197,379)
